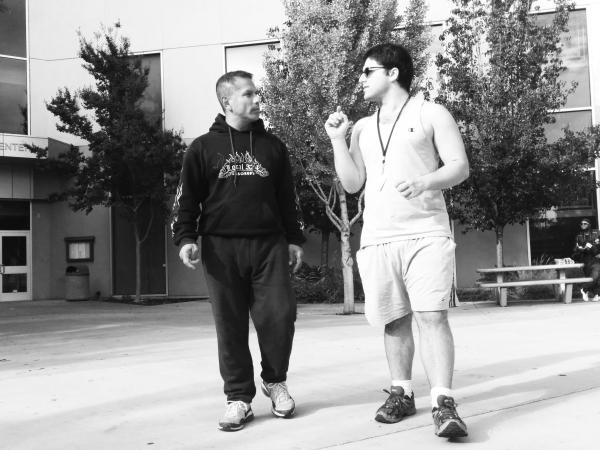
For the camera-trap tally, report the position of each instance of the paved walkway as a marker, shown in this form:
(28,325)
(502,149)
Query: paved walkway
(92,375)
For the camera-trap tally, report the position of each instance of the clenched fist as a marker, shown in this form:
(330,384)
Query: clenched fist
(337,124)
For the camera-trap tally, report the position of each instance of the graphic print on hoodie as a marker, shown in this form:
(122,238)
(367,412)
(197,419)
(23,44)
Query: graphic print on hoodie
(236,183)
(238,164)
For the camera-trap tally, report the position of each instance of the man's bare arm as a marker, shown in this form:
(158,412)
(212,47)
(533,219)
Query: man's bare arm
(349,164)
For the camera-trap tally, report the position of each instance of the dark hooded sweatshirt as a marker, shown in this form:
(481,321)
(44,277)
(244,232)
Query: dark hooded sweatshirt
(238,184)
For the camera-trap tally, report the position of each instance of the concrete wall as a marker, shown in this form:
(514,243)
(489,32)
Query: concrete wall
(50,225)
(189,35)
(477,249)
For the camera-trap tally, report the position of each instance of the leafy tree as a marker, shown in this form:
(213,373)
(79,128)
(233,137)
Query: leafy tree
(315,69)
(500,78)
(132,164)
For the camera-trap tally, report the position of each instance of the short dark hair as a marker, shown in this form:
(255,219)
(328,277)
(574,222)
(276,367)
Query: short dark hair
(226,80)
(394,55)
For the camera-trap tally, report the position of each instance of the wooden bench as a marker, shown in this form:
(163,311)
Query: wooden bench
(564,292)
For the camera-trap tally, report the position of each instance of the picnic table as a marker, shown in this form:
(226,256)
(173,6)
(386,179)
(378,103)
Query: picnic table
(563,292)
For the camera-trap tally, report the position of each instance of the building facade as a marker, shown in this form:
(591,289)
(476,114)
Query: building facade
(186,45)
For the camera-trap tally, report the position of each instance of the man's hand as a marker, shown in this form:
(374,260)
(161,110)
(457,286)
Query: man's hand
(337,124)
(296,253)
(588,245)
(410,188)
(189,255)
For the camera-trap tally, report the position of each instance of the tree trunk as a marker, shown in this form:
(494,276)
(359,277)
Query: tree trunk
(325,248)
(499,249)
(138,263)
(499,259)
(347,261)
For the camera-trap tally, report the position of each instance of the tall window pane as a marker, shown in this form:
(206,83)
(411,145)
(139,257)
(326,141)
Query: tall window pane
(151,102)
(12,28)
(431,72)
(575,58)
(13,96)
(152,99)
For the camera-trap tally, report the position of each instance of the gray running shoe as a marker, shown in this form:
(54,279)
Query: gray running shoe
(237,414)
(446,420)
(282,404)
(396,407)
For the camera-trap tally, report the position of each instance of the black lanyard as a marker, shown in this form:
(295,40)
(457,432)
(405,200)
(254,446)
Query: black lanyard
(384,149)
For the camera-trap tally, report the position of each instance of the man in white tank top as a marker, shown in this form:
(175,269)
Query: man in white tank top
(406,259)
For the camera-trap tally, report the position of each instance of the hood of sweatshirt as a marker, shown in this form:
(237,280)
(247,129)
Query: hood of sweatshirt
(221,126)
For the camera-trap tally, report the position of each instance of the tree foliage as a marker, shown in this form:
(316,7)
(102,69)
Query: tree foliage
(131,159)
(500,78)
(315,69)
(132,163)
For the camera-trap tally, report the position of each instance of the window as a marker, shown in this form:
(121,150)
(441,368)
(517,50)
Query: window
(14,215)
(575,120)
(577,112)
(249,58)
(12,28)
(553,236)
(435,47)
(80,249)
(13,67)
(575,57)
(151,102)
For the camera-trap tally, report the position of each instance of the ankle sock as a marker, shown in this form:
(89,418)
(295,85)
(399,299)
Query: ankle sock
(436,392)
(404,384)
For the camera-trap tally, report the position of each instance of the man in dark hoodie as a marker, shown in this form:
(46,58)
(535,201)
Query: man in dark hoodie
(236,191)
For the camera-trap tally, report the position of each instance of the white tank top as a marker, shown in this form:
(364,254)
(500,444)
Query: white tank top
(388,216)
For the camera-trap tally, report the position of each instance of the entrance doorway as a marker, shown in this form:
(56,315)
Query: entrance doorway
(15,265)
(15,250)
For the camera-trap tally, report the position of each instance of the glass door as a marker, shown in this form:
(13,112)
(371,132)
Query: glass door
(15,265)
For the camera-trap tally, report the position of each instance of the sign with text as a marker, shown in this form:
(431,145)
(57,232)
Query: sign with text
(13,146)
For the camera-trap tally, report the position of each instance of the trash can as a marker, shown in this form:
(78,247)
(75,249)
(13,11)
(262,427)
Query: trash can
(77,283)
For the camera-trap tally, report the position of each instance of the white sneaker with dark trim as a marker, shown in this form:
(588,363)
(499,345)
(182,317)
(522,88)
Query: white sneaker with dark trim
(282,404)
(237,414)
(585,296)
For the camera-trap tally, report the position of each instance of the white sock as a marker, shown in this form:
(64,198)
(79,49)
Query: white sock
(436,392)
(404,384)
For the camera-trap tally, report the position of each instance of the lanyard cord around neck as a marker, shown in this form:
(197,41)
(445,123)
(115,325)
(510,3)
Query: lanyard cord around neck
(384,149)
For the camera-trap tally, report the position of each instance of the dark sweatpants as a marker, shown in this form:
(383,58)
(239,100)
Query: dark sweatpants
(250,276)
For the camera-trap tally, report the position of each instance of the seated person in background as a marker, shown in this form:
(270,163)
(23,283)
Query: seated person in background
(587,251)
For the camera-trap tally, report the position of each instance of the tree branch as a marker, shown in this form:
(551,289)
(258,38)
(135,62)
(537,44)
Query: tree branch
(361,199)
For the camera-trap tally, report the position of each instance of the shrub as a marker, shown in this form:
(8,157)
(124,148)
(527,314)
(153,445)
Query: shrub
(536,292)
(322,284)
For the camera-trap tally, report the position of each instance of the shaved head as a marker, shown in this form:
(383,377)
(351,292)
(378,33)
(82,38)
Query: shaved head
(226,83)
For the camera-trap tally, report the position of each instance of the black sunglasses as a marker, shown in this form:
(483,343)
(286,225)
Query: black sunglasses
(367,70)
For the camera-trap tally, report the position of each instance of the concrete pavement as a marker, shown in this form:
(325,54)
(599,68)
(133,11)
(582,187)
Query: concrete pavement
(93,375)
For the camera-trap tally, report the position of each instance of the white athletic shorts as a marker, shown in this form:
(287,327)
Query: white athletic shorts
(404,276)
